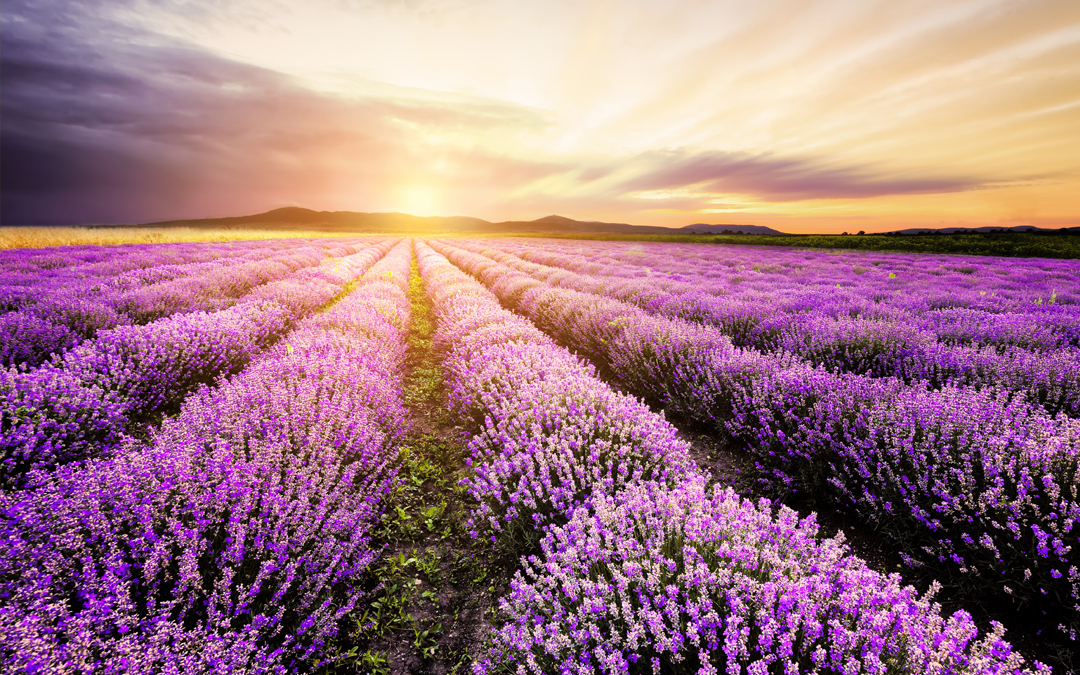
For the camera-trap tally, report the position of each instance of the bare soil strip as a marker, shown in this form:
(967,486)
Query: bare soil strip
(433,595)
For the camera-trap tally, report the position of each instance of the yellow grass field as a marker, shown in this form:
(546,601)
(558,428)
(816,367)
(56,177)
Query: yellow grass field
(41,237)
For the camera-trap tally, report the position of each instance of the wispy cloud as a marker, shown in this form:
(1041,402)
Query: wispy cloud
(128,131)
(131,110)
(774,178)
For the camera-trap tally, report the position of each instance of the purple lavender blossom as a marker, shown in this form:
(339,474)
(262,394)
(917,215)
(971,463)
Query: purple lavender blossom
(236,538)
(89,399)
(655,579)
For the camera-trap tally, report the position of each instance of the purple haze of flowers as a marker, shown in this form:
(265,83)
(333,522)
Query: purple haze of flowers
(818,431)
(656,577)
(86,401)
(550,434)
(63,309)
(1018,351)
(234,540)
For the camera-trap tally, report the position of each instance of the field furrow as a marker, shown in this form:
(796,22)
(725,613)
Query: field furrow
(637,559)
(978,487)
(238,536)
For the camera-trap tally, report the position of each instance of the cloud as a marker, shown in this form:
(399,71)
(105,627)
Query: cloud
(139,110)
(773,178)
(146,129)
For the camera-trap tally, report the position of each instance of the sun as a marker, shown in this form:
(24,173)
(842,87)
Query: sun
(419,200)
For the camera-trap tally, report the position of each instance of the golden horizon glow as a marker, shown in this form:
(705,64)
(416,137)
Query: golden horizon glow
(800,116)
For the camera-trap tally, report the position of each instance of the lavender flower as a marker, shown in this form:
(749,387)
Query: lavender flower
(236,538)
(689,579)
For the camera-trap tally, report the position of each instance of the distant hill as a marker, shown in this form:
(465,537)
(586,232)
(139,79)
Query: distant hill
(291,217)
(562,224)
(979,230)
(702,228)
(343,221)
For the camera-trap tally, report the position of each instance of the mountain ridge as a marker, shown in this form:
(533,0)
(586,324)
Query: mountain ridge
(396,222)
(356,221)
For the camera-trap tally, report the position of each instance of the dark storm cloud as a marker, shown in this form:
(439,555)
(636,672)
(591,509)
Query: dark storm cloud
(102,123)
(81,111)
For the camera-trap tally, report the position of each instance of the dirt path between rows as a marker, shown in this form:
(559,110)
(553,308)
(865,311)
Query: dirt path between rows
(435,589)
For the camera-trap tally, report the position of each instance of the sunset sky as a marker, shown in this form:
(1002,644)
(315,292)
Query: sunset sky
(803,116)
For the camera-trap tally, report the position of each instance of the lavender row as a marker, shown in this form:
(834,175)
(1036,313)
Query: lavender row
(87,400)
(925,282)
(978,485)
(60,317)
(236,539)
(640,564)
(875,347)
(125,267)
(936,303)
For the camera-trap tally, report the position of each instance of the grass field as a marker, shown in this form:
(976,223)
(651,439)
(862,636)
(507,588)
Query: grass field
(42,237)
(1021,245)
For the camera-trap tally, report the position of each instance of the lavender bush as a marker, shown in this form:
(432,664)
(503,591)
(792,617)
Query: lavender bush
(85,402)
(236,539)
(696,580)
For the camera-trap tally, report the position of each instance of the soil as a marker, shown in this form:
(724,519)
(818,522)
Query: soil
(433,596)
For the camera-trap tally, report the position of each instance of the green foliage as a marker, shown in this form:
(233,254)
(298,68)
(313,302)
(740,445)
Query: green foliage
(425,379)
(419,504)
(1011,244)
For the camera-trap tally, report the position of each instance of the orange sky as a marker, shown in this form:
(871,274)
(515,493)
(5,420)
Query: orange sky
(803,116)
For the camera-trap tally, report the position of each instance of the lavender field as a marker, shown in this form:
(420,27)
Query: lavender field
(392,455)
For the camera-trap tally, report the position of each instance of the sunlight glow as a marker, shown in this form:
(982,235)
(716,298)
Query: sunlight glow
(652,112)
(419,200)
